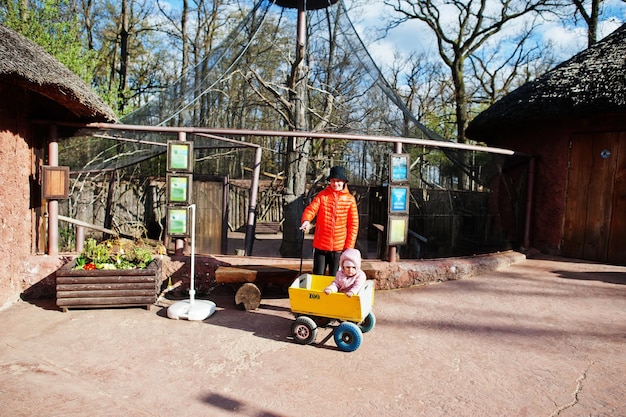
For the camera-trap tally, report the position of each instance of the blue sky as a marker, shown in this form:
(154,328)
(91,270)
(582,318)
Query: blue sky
(568,37)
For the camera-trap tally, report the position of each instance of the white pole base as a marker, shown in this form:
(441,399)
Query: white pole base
(185,309)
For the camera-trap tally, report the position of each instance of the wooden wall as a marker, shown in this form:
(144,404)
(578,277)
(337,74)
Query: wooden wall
(579,197)
(595,219)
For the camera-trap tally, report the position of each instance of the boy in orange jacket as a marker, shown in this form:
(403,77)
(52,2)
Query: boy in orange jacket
(337,224)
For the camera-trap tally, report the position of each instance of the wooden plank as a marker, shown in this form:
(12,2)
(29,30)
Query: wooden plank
(105,279)
(576,201)
(106,273)
(88,225)
(106,286)
(599,197)
(107,293)
(616,252)
(267,228)
(68,271)
(210,230)
(105,302)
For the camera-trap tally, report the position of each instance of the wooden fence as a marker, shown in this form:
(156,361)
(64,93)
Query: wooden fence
(454,222)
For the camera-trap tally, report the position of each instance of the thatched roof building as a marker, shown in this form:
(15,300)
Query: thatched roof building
(34,87)
(594,81)
(25,64)
(572,120)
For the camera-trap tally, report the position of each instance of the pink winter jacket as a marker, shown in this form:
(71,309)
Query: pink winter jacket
(337,224)
(346,284)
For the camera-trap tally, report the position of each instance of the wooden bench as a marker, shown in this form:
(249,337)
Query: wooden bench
(239,274)
(251,277)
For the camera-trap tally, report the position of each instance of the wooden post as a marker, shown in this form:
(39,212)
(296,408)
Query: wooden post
(53,205)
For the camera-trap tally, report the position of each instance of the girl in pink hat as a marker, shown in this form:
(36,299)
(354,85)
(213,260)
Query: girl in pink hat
(350,278)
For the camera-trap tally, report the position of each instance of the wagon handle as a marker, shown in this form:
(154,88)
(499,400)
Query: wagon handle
(301,252)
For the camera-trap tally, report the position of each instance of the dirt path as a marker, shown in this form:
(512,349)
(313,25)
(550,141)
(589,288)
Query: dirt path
(539,338)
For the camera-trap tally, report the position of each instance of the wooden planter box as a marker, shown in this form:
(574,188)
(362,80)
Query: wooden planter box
(107,288)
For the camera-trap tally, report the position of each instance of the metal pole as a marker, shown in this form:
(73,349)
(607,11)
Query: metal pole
(291,133)
(254,187)
(192,280)
(80,238)
(53,205)
(301,35)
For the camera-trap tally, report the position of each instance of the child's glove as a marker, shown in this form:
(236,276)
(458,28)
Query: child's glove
(349,294)
(327,291)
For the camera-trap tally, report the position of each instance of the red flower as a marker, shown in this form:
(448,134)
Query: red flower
(89,267)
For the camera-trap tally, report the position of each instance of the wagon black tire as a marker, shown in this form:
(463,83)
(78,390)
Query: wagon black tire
(348,336)
(368,323)
(304,330)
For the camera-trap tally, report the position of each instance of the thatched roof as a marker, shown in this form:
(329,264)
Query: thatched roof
(593,81)
(26,64)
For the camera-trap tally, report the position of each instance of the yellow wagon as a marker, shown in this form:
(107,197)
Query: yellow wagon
(313,308)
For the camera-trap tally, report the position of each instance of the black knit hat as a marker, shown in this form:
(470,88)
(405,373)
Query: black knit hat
(338,173)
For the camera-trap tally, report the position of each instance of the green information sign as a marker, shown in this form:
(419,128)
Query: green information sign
(179,188)
(177,222)
(180,156)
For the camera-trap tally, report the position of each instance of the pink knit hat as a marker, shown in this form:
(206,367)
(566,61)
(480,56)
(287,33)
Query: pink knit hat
(351,257)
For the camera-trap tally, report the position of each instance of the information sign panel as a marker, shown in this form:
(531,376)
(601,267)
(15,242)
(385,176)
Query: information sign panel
(398,168)
(179,156)
(179,188)
(397,230)
(177,222)
(399,199)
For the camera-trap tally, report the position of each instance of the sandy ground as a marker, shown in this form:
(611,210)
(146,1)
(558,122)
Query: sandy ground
(544,337)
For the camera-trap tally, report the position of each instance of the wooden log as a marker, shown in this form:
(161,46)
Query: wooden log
(248,296)
(284,274)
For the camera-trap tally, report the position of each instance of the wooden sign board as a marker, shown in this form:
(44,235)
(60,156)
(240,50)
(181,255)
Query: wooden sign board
(55,184)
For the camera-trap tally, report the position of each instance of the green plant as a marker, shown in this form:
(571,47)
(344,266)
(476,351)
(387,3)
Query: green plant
(114,254)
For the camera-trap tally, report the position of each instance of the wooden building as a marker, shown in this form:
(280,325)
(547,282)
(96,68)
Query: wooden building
(572,121)
(34,86)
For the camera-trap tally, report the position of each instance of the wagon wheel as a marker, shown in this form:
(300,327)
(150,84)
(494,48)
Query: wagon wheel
(248,296)
(348,336)
(368,323)
(304,330)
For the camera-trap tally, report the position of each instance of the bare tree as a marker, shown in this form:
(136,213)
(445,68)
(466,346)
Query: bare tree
(461,27)
(497,71)
(303,102)
(590,12)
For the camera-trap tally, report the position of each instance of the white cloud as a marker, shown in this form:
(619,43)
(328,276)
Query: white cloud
(567,41)
(410,37)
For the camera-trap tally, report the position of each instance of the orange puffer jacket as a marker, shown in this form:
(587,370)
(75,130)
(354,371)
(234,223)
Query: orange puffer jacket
(337,224)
